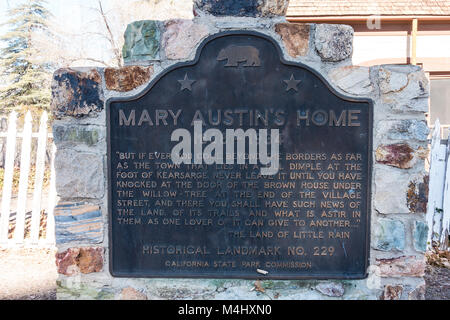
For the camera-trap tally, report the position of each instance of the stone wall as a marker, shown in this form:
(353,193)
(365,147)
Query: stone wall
(399,190)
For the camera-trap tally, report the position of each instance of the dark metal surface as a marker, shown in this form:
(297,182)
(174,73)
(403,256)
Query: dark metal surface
(237,71)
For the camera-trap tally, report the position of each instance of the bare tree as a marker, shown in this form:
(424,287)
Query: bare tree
(101,40)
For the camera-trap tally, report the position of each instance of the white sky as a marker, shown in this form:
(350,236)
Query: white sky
(76,18)
(71,15)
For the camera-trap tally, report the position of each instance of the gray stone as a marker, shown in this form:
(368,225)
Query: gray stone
(392,81)
(78,221)
(331,289)
(403,130)
(389,235)
(181,36)
(74,135)
(420,236)
(411,82)
(141,41)
(248,8)
(391,188)
(79,174)
(334,42)
(352,79)
(76,93)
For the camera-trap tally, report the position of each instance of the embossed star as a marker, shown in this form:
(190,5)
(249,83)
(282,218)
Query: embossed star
(292,83)
(186,83)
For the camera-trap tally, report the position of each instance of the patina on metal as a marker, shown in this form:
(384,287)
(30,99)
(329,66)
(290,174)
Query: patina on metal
(309,221)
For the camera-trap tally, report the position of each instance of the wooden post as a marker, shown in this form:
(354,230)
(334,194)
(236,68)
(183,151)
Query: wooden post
(435,191)
(8,177)
(39,177)
(446,205)
(51,200)
(23,180)
(414,41)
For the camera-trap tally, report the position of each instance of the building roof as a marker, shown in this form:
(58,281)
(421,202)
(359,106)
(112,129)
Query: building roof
(308,8)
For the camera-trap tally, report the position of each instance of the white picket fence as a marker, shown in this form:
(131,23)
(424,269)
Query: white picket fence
(438,210)
(6,218)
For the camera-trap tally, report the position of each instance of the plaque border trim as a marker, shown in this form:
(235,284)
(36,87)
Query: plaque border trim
(149,86)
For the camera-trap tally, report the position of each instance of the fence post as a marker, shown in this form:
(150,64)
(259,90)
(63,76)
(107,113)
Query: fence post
(51,199)
(39,177)
(446,205)
(23,180)
(8,176)
(435,191)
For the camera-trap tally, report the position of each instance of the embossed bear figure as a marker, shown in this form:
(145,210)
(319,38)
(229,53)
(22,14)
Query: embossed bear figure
(235,54)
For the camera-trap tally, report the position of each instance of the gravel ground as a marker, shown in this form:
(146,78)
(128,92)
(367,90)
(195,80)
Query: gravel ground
(437,283)
(27,274)
(30,274)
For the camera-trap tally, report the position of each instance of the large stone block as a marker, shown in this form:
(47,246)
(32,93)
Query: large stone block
(331,289)
(389,235)
(248,8)
(400,155)
(404,266)
(76,93)
(75,260)
(141,41)
(295,37)
(404,88)
(417,196)
(130,293)
(352,79)
(415,130)
(420,234)
(127,78)
(79,174)
(392,292)
(334,42)
(78,221)
(72,135)
(411,81)
(398,191)
(181,36)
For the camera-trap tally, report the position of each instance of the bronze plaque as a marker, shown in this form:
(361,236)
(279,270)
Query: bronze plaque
(230,208)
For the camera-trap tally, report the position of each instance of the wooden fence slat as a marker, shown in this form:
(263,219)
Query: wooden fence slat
(39,177)
(435,191)
(51,199)
(8,176)
(23,180)
(446,205)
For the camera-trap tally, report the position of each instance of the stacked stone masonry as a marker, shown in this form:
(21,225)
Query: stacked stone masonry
(399,191)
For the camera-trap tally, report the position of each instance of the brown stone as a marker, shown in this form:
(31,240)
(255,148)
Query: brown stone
(181,36)
(417,195)
(66,261)
(418,293)
(90,260)
(127,78)
(75,260)
(295,37)
(399,155)
(404,266)
(392,292)
(76,92)
(130,293)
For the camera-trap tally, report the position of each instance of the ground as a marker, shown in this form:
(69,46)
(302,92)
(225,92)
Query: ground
(30,274)
(438,283)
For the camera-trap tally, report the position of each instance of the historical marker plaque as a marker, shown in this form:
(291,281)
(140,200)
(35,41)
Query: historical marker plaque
(304,215)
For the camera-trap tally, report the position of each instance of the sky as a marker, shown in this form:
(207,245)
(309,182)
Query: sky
(76,19)
(72,15)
